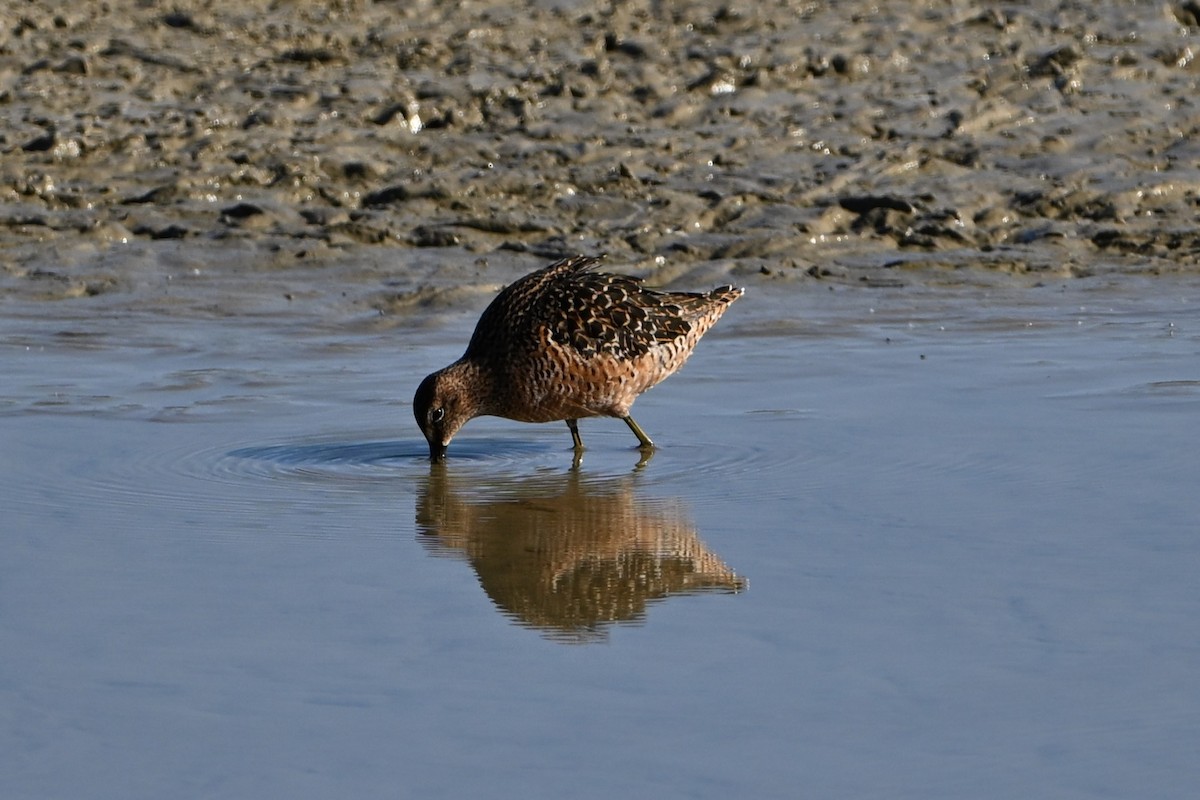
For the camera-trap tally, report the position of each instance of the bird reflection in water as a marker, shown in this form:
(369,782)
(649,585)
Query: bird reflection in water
(566,554)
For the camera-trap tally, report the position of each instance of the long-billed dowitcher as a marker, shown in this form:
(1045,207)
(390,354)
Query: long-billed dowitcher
(563,343)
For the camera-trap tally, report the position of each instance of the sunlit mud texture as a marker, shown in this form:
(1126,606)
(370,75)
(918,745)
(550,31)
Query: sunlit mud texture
(566,555)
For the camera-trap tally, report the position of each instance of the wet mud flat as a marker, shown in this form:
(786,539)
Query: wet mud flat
(397,147)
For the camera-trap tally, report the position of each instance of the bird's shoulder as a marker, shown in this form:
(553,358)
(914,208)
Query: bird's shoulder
(576,306)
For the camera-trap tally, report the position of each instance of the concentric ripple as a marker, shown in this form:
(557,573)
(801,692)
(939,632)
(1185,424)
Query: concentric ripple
(350,461)
(326,460)
(132,467)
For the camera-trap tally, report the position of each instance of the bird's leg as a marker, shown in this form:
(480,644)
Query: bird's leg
(574,426)
(646,444)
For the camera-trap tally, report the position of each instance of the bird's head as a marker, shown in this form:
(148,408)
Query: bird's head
(443,404)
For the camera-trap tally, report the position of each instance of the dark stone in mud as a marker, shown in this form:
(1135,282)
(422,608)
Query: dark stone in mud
(40,144)
(861,204)
(242,211)
(160,231)
(170,232)
(179,19)
(401,193)
(318,55)
(387,196)
(157,195)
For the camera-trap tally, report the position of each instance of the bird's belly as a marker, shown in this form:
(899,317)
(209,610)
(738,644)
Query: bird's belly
(557,391)
(560,400)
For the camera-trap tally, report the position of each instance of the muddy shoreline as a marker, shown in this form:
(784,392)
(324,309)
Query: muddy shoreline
(415,156)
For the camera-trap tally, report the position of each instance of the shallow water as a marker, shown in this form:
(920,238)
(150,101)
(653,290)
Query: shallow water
(901,543)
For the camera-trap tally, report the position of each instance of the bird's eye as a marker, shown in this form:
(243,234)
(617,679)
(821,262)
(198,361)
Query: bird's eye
(437,415)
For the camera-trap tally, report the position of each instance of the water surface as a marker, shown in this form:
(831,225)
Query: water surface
(895,543)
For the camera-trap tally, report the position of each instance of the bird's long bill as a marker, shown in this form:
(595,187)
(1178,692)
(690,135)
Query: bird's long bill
(437,452)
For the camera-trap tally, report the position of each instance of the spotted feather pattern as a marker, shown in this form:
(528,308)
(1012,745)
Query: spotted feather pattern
(590,312)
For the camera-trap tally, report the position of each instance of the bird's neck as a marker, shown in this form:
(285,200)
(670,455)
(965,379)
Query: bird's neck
(475,383)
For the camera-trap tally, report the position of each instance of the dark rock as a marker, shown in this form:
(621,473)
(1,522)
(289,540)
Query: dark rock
(40,144)
(861,204)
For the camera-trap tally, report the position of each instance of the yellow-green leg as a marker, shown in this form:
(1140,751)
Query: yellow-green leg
(574,426)
(646,444)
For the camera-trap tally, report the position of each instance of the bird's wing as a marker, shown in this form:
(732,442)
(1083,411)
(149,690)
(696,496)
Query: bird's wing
(596,312)
(588,311)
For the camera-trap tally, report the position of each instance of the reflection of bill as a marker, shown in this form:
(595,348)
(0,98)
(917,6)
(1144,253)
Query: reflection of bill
(568,555)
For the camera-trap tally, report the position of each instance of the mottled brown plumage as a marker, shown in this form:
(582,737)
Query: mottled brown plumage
(563,343)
